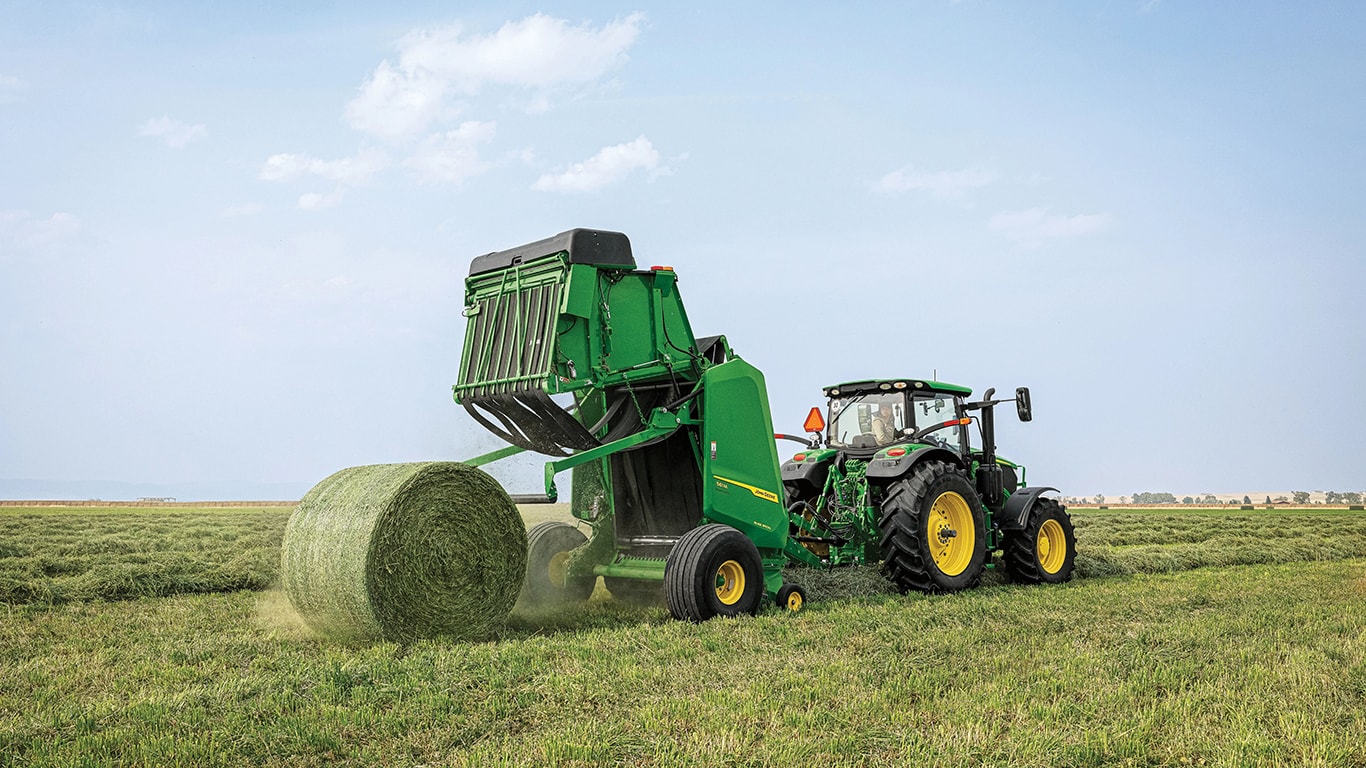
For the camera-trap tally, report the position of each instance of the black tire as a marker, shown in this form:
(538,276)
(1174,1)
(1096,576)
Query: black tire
(713,570)
(636,592)
(791,598)
(920,549)
(547,583)
(1045,552)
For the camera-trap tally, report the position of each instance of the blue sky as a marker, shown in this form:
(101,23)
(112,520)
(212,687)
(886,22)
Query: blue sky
(233,238)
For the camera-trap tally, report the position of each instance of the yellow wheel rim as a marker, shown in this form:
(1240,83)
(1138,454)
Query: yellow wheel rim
(559,568)
(730,582)
(1051,546)
(794,601)
(950,533)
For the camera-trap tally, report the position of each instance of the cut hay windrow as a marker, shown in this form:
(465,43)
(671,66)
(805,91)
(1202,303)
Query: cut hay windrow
(404,552)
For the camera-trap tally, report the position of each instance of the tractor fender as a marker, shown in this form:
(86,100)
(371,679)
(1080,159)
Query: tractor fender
(886,469)
(807,477)
(1015,515)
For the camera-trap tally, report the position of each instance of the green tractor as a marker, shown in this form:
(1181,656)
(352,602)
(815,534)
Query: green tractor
(897,475)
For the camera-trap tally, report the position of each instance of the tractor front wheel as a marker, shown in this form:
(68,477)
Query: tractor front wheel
(548,581)
(933,530)
(713,570)
(1046,550)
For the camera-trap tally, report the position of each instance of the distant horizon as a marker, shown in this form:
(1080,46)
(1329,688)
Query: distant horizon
(15,489)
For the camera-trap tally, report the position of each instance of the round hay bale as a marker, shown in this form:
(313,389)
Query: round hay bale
(404,552)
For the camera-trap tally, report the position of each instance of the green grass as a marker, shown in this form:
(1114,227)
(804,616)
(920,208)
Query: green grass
(59,555)
(1260,665)
(1111,543)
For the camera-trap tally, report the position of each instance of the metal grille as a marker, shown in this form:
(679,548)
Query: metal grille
(510,342)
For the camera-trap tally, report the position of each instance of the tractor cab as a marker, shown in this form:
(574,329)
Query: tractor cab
(867,416)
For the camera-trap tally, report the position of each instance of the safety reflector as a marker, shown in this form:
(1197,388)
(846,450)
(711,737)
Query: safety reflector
(661,269)
(897,452)
(815,422)
(799,457)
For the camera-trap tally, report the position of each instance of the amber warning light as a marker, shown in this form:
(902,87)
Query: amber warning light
(815,422)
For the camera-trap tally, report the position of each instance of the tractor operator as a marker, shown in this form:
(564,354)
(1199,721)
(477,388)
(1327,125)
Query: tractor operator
(884,426)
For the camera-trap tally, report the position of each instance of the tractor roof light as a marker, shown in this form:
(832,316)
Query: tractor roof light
(900,385)
(799,457)
(897,452)
(815,422)
(884,385)
(661,269)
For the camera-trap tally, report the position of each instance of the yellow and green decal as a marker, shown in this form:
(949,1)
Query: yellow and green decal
(760,492)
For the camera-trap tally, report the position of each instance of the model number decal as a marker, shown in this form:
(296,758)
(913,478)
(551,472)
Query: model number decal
(760,492)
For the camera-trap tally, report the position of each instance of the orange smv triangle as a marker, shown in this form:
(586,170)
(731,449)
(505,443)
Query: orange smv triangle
(814,421)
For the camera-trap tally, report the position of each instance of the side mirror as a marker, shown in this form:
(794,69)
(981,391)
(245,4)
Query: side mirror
(1022,408)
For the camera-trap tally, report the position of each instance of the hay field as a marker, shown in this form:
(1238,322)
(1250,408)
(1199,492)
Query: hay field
(1201,663)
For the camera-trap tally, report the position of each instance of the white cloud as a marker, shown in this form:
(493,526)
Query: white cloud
(317,201)
(353,171)
(453,156)
(347,172)
(22,230)
(539,52)
(393,104)
(942,184)
(1035,227)
(172,133)
(608,166)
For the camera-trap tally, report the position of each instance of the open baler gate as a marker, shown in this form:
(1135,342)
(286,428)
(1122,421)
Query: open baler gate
(571,317)
(573,352)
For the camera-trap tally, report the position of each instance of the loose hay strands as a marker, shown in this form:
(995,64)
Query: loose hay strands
(403,552)
(59,555)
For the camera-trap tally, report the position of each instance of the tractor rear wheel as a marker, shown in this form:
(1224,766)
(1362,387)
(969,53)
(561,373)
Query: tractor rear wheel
(548,581)
(1046,550)
(713,570)
(933,530)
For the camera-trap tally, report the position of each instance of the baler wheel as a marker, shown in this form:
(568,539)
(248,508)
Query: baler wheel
(933,530)
(791,598)
(1046,550)
(548,581)
(713,570)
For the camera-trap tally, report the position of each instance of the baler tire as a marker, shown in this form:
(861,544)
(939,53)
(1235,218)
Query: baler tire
(547,580)
(713,570)
(933,492)
(1045,551)
(635,592)
(791,598)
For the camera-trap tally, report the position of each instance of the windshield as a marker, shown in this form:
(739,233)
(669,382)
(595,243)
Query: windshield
(880,419)
(929,409)
(867,421)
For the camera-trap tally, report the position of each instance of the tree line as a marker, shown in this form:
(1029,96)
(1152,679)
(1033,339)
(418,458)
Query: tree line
(1147,497)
